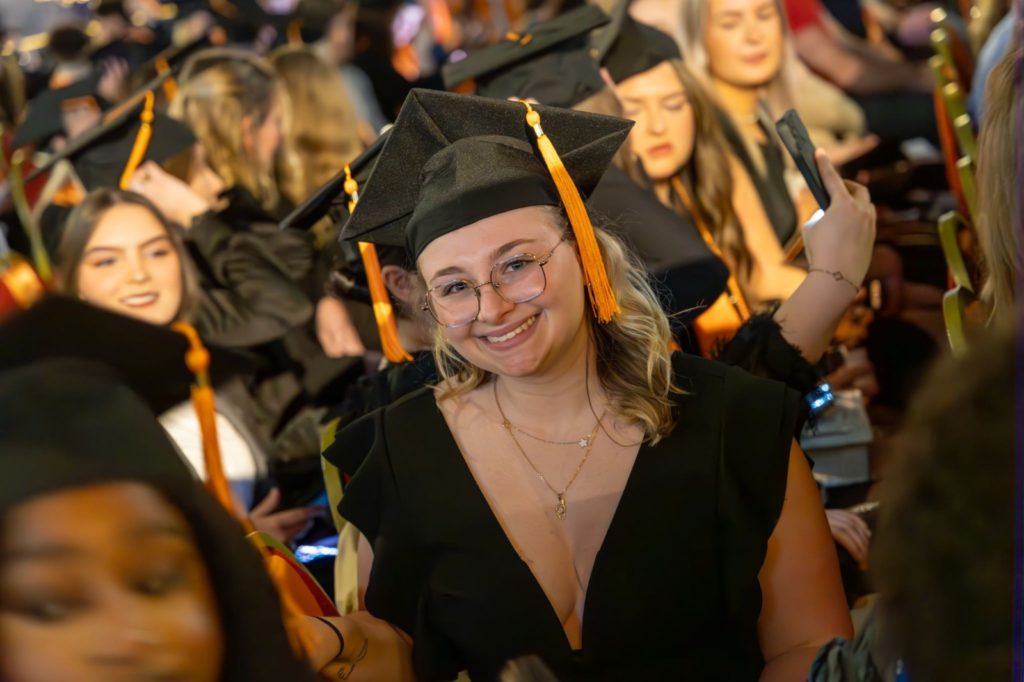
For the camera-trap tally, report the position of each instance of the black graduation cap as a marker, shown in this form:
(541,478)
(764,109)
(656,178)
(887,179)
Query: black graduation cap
(147,358)
(43,115)
(331,195)
(133,135)
(67,423)
(452,160)
(629,47)
(551,63)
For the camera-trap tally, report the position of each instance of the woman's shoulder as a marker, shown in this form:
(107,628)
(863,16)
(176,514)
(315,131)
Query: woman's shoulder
(716,393)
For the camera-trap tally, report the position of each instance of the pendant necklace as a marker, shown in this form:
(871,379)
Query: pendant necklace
(586,442)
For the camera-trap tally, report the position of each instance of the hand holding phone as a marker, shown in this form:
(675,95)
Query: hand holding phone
(798,143)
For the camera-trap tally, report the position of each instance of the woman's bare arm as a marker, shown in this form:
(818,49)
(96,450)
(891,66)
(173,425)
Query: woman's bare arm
(375,650)
(803,602)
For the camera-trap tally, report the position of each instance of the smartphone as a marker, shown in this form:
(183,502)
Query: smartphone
(794,135)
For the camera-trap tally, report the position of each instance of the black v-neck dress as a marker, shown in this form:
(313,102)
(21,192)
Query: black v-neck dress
(674,591)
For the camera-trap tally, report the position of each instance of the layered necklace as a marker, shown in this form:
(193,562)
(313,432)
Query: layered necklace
(584,442)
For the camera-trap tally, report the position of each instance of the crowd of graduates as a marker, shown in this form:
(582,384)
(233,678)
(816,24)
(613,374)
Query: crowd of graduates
(375,339)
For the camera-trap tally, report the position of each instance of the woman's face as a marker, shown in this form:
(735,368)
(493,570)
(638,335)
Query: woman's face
(663,136)
(744,41)
(130,266)
(512,339)
(105,583)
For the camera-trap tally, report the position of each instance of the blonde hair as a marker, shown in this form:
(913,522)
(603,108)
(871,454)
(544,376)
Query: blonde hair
(634,364)
(776,95)
(999,167)
(322,132)
(219,88)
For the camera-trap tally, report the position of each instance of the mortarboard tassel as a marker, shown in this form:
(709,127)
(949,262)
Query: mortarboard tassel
(198,361)
(299,592)
(602,297)
(383,311)
(141,141)
(170,85)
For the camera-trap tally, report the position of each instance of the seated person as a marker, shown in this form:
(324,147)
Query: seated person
(896,94)
(115,565)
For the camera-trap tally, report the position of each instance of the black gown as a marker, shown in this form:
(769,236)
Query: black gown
(674,591)
(771,184)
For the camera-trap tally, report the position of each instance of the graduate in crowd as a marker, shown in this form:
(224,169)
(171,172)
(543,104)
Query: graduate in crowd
(116,563)
(116,251)
(535,333)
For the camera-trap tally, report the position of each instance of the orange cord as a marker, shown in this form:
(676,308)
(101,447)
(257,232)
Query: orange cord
(141,141)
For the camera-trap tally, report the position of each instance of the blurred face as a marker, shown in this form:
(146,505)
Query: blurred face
(744,41)
(105,583)
(511,339)
(131,266)
(663,136)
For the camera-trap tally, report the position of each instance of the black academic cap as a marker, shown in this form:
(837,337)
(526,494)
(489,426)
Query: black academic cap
(67,423)
(43,115)
(551,63)
(147,358)
(630,48)
(452,160)
(331,195)
(101,155)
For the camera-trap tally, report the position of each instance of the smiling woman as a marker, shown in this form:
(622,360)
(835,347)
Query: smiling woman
(117,252)
(510,510)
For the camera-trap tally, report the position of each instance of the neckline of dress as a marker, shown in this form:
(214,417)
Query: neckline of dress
(498,534)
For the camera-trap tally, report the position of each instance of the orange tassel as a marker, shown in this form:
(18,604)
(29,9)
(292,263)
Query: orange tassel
(602,296)
(198,361)
(383,311)
(141,141)
(170,85)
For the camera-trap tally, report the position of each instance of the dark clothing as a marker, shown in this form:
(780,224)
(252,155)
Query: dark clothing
(262,281)
(770,184)
(681,265)
(899,116)
(260,285)
(674,590)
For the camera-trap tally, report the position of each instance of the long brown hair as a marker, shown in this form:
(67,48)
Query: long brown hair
(708,175)
(1000,164)
(219,88)
(80,226)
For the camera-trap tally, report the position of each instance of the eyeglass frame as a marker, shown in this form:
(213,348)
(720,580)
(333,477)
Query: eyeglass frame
(542,261)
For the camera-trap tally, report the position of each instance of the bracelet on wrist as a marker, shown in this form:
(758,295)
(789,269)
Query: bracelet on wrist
(837,276)
(337,633)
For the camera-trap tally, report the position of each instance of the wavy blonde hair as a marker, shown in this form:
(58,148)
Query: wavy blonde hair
(322,133)
(634,364)
(1000,163)
(218,89)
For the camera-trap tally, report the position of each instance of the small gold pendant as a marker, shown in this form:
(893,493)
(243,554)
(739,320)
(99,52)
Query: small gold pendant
(560,508)
(583,442)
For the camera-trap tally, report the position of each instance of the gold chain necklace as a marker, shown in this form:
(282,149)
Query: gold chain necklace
(562,506)
(583,442)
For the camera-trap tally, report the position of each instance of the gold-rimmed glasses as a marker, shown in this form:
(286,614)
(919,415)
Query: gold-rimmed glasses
(517,279)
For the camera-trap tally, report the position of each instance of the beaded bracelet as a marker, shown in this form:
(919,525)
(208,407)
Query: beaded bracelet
(837,276)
